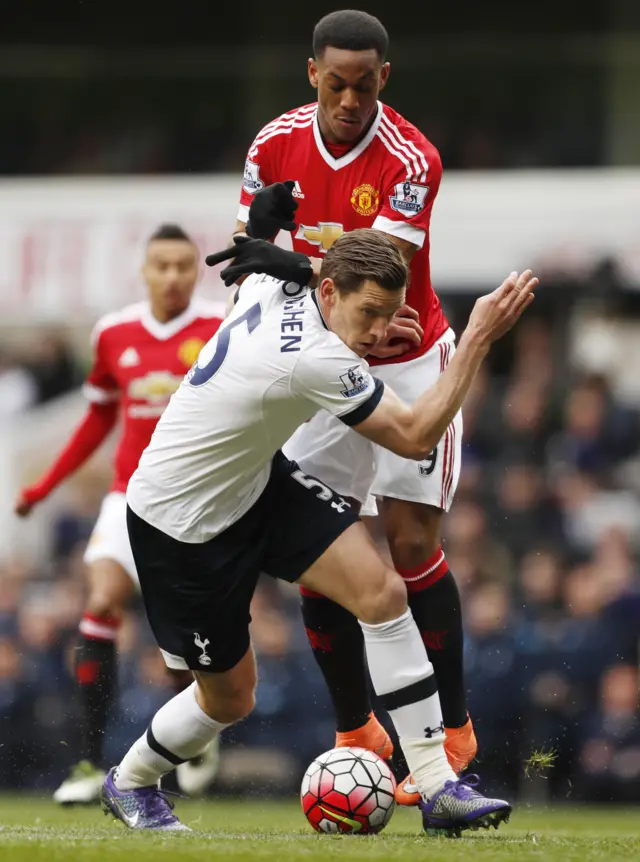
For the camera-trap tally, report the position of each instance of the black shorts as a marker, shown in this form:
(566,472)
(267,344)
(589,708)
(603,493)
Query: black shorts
(197,596)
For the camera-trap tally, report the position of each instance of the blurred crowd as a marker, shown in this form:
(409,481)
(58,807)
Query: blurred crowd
(43,368)
(543,538)
(204,143)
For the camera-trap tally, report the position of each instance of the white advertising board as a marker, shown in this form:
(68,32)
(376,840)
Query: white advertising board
(71,248)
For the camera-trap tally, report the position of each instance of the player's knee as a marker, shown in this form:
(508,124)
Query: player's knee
(229,706)
(234,707)
(110,589)
(385,600)
(411,548)
(101,603)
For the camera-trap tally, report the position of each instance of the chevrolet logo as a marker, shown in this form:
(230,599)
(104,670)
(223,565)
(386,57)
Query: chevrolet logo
(323,235)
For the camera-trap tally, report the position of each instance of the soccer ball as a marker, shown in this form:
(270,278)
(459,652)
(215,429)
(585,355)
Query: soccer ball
(348,790)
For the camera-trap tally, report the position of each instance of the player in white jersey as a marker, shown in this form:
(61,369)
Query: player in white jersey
(214,502)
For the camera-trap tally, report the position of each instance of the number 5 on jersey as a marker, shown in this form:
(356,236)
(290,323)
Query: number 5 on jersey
(324,493)
(197,376)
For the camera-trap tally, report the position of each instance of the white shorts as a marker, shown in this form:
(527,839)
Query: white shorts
(353,466)
(110,538)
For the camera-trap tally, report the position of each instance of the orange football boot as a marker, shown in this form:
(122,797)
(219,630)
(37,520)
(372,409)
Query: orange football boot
(460,746)
(371,735)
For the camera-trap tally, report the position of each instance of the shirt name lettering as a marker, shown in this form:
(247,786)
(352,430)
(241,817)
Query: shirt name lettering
(293,309)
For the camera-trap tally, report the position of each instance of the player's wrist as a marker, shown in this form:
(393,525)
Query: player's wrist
(475,341)
(34,493)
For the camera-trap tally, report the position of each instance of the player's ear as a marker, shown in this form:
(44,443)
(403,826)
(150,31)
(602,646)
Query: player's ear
(385,71)
(327,291)
(312,70)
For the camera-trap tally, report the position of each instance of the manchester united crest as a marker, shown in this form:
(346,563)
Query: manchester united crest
(365,199)
(189,350)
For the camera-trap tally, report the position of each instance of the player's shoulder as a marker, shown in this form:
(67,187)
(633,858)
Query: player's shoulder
(321,347)
(404,140)
(119,320)
(291,122)
(206,309)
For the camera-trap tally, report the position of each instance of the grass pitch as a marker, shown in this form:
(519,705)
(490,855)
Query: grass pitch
(35,830)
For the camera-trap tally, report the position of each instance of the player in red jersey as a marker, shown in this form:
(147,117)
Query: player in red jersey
(355,163)
(141,354)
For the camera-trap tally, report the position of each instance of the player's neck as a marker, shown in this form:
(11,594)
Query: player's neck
(164,316)
(323,308)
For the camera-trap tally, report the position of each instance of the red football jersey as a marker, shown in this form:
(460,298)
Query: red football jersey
(140,362)
(388,181)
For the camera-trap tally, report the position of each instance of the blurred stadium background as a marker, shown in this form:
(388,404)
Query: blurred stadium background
(113,124)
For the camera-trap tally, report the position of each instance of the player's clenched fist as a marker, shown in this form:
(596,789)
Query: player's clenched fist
(496,313)
(272,210)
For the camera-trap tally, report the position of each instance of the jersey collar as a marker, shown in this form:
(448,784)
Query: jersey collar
(314,299)
(353,153)
(165,331)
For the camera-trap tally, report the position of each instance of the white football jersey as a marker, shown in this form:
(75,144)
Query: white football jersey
(271,366)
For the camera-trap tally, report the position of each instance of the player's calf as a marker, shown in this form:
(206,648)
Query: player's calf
(233,704)
(190,722)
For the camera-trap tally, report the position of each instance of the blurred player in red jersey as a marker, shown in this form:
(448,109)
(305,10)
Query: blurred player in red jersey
(355,163)
(141,354)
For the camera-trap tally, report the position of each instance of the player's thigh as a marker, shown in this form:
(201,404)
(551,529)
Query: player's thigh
(327,448)
(431,482)
(197,596)
(413,530)
(109,539)
(352,573)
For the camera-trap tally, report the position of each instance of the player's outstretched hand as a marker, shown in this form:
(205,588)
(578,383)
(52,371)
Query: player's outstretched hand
(496,313)
(23,504)
(258,255)
(272,210)
(403,333)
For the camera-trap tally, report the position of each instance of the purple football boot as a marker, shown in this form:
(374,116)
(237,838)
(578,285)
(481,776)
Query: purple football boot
(143,808)
(459,806)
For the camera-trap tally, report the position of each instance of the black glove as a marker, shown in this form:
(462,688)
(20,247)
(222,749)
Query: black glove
(272,210)
(258,255)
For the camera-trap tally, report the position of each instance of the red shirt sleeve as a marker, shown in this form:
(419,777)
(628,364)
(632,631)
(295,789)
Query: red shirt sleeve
(100,387)
(258,170)
(408,198)
(92,430)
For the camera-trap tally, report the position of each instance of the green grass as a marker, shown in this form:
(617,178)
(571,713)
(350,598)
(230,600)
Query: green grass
(35,830)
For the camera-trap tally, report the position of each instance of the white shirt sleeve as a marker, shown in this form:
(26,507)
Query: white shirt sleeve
(332,377)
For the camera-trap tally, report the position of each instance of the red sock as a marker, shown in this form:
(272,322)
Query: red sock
(96,673)
(435,604)
(336,640)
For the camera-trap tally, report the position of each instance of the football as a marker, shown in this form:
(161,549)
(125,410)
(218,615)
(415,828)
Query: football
(348,790)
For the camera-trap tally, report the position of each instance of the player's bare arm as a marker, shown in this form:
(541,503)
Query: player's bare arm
(413,431)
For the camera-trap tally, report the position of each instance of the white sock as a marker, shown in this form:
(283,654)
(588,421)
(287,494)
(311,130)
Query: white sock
(179,731)
(403,678)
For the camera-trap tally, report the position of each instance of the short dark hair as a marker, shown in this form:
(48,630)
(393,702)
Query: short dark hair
(170,231)
(364,255)
(350,30)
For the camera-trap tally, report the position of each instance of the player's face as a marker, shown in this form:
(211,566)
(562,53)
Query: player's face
(360,318)
(348,84)
(171,272)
